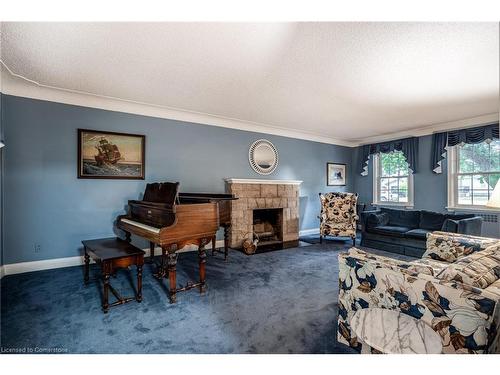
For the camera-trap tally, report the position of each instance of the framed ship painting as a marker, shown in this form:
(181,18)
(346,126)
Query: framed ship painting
(335,174)
(104,154)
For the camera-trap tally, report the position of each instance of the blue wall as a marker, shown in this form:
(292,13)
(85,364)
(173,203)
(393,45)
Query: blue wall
(430,188)
(47,205)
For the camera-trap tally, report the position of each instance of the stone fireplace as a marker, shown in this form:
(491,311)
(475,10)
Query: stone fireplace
(265,206)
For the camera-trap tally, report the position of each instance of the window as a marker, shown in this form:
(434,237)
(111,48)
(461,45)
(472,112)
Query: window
(473,171)
(393,181)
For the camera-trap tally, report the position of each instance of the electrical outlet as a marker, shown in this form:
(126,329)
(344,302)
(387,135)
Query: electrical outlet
(37,247)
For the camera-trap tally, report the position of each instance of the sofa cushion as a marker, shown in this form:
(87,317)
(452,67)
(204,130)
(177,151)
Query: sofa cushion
(390,230)
(431,220)
(479,269)
(420,234)
(448,247)
(402,218)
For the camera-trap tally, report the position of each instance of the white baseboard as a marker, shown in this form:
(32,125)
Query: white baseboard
(39,265)
(307,232)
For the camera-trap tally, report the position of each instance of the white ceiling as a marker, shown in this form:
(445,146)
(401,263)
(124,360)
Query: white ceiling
(347,81)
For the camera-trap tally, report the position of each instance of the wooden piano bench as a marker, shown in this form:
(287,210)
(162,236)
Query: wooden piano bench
(113,253)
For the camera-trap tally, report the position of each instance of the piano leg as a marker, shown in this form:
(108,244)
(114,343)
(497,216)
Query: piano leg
(226,240)
(202,259)
(213,246)
(139,283)
(151,252)
(172,273)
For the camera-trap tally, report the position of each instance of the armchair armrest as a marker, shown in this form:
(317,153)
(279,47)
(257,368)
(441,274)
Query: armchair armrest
(471,226)
(465,317)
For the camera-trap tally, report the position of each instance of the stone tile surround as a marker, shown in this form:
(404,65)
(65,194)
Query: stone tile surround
(254,194)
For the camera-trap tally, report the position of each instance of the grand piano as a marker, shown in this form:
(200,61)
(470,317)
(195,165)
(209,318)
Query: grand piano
(172,220)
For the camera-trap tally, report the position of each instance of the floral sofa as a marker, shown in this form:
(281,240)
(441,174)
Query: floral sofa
(454,288)
(338,215)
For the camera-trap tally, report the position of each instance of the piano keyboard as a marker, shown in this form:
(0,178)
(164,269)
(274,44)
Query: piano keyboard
(142,226)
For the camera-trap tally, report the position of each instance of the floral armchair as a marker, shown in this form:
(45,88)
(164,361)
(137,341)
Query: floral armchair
(338,215)
(465,316)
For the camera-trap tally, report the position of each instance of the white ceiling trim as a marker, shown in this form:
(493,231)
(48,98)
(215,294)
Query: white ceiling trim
(16,85)
(435,128)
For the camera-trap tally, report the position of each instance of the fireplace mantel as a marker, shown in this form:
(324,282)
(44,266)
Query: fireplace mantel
(261,181)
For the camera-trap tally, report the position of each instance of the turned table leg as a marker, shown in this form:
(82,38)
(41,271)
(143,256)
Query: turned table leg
(86,267)
(202,258)
(105,303)
(172,274)
(139,283)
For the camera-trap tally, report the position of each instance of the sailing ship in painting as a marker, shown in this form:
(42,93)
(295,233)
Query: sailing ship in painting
(108,153)
(111,155)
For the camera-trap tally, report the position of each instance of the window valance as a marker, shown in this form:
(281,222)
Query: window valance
(408,146)
(452,138)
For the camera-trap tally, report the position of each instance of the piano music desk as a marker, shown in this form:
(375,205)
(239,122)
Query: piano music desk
(113,253)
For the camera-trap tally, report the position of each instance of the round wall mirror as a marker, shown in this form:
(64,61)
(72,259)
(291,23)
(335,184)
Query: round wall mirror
(263,157)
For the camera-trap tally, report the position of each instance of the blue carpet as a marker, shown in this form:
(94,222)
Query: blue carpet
(276,302)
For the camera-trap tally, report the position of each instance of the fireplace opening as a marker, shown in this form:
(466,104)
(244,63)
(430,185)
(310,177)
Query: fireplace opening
(268,226)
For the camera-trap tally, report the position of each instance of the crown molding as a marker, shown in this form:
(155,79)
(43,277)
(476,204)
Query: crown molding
(19,86)
(435,128)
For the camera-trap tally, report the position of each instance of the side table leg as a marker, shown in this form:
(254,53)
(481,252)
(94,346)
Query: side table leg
(86,267)
(139,283)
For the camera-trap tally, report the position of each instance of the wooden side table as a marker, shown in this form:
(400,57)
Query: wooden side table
(111,254)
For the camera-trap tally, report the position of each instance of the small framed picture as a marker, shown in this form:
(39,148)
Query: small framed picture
(335,174)
(103,154)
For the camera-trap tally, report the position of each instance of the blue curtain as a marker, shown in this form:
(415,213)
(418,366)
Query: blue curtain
(455,137)
(408,146)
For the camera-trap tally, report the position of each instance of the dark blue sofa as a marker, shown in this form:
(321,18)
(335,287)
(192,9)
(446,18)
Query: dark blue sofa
(405,231)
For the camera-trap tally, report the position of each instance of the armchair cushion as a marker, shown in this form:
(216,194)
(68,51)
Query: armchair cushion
(448,247)
(480,269)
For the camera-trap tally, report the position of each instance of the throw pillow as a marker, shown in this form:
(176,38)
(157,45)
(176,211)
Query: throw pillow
(479,269)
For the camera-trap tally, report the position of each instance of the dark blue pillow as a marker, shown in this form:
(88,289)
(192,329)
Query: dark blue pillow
(450,225)
(431,220)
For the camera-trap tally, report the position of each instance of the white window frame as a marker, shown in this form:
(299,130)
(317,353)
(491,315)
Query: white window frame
(452,181)
(376,187)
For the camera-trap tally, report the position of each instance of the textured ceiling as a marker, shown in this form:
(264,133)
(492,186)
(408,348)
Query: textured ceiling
(343,80)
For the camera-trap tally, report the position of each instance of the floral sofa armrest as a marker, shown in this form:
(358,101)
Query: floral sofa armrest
(448,247)
(465,317)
